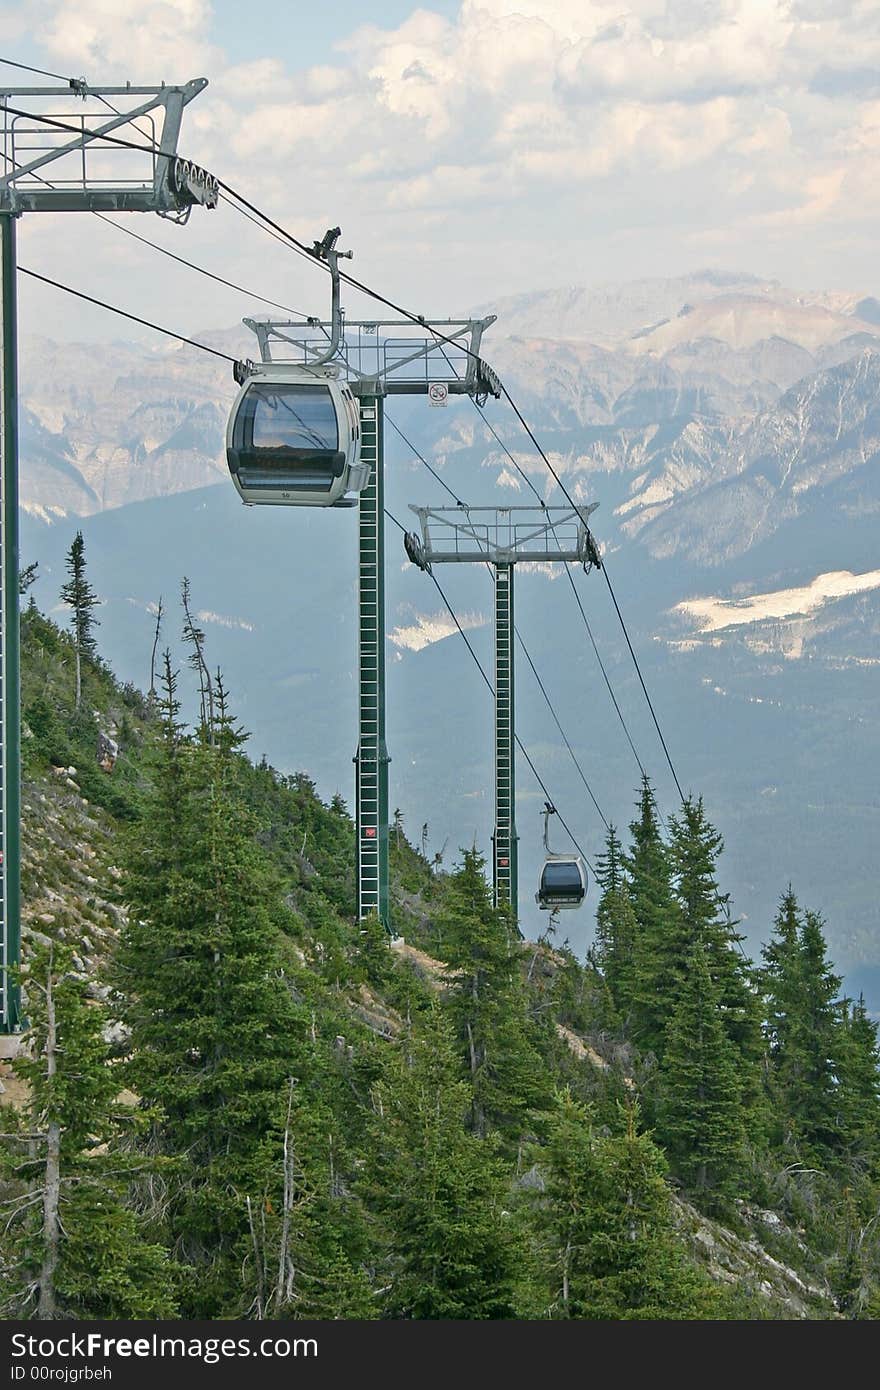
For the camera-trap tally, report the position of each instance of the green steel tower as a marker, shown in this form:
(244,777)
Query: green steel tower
(377,358)
(499,537)
(32,145)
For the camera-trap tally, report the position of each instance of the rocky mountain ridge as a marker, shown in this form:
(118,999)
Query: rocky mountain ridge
(662,378)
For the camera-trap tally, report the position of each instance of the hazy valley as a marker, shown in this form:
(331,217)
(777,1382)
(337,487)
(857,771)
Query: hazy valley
(729,430)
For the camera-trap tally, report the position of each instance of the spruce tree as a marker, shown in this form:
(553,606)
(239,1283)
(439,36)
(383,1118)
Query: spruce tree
(859,1086)
(73,1247)
(779,974)
(613,1252)
(488,1003)
(28,576)
(703,916)
(700,1115)
(194,637)
(215,1032)
(79,596)
(818,1043)
(439,1192)
(616,949)
(309,1246)
(662,946)
(780,984)
(824,1079)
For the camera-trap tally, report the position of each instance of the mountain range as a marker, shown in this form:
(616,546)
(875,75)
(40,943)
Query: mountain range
(729,429)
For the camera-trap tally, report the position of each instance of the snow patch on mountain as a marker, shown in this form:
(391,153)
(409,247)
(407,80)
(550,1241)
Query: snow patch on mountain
(47,513)
(432,627)
(714,614)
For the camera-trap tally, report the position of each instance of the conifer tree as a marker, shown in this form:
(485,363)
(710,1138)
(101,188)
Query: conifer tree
(779,974)
(616,949)
(72,1246)
(194,637)
(662,944)
(439,1192)
(79,596)
(859,1085)
(703,916)
(824,1077)
(851,1275)
(309,1244)
(613,1250)
(372,960)
(780,984)
(700,1119)
(215,1032)
(488,1003)
(817,1042)
(28,576)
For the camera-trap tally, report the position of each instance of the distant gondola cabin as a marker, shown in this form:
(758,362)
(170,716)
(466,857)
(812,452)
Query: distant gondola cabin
(563,883)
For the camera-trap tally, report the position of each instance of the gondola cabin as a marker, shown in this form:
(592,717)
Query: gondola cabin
(563,883)
(293,439)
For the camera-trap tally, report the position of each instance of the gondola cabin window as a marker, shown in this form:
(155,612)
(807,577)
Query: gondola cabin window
(292,417)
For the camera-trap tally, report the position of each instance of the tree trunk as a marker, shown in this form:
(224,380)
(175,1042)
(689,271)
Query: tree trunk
(472,1049)
(52,1189)
(259,1265)
(78,677)
(153,653)
(284,1262)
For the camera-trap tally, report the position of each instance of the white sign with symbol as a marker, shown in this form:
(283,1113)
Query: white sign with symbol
(438,393)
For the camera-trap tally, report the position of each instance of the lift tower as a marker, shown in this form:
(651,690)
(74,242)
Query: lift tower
(378,358)
(64,154)
(501,537)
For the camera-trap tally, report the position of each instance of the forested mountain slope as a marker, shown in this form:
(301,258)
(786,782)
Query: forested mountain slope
(246,1103)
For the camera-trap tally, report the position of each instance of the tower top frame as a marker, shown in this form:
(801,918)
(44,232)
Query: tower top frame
(58,159)
(502,535)
(387,357)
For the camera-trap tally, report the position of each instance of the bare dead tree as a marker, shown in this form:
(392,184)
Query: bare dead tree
(156,634)
(46,1307)
(194,637)
(259,1306)
(284,1282)
(274,1292)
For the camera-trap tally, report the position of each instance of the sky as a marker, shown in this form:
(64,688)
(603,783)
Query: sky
(473,150)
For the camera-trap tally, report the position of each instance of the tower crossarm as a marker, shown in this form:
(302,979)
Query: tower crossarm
(387,356)
(502,535)
(68,160)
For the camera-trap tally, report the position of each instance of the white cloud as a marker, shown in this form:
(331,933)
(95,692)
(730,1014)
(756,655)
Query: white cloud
(525,142)
(206,615)
(147,39)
